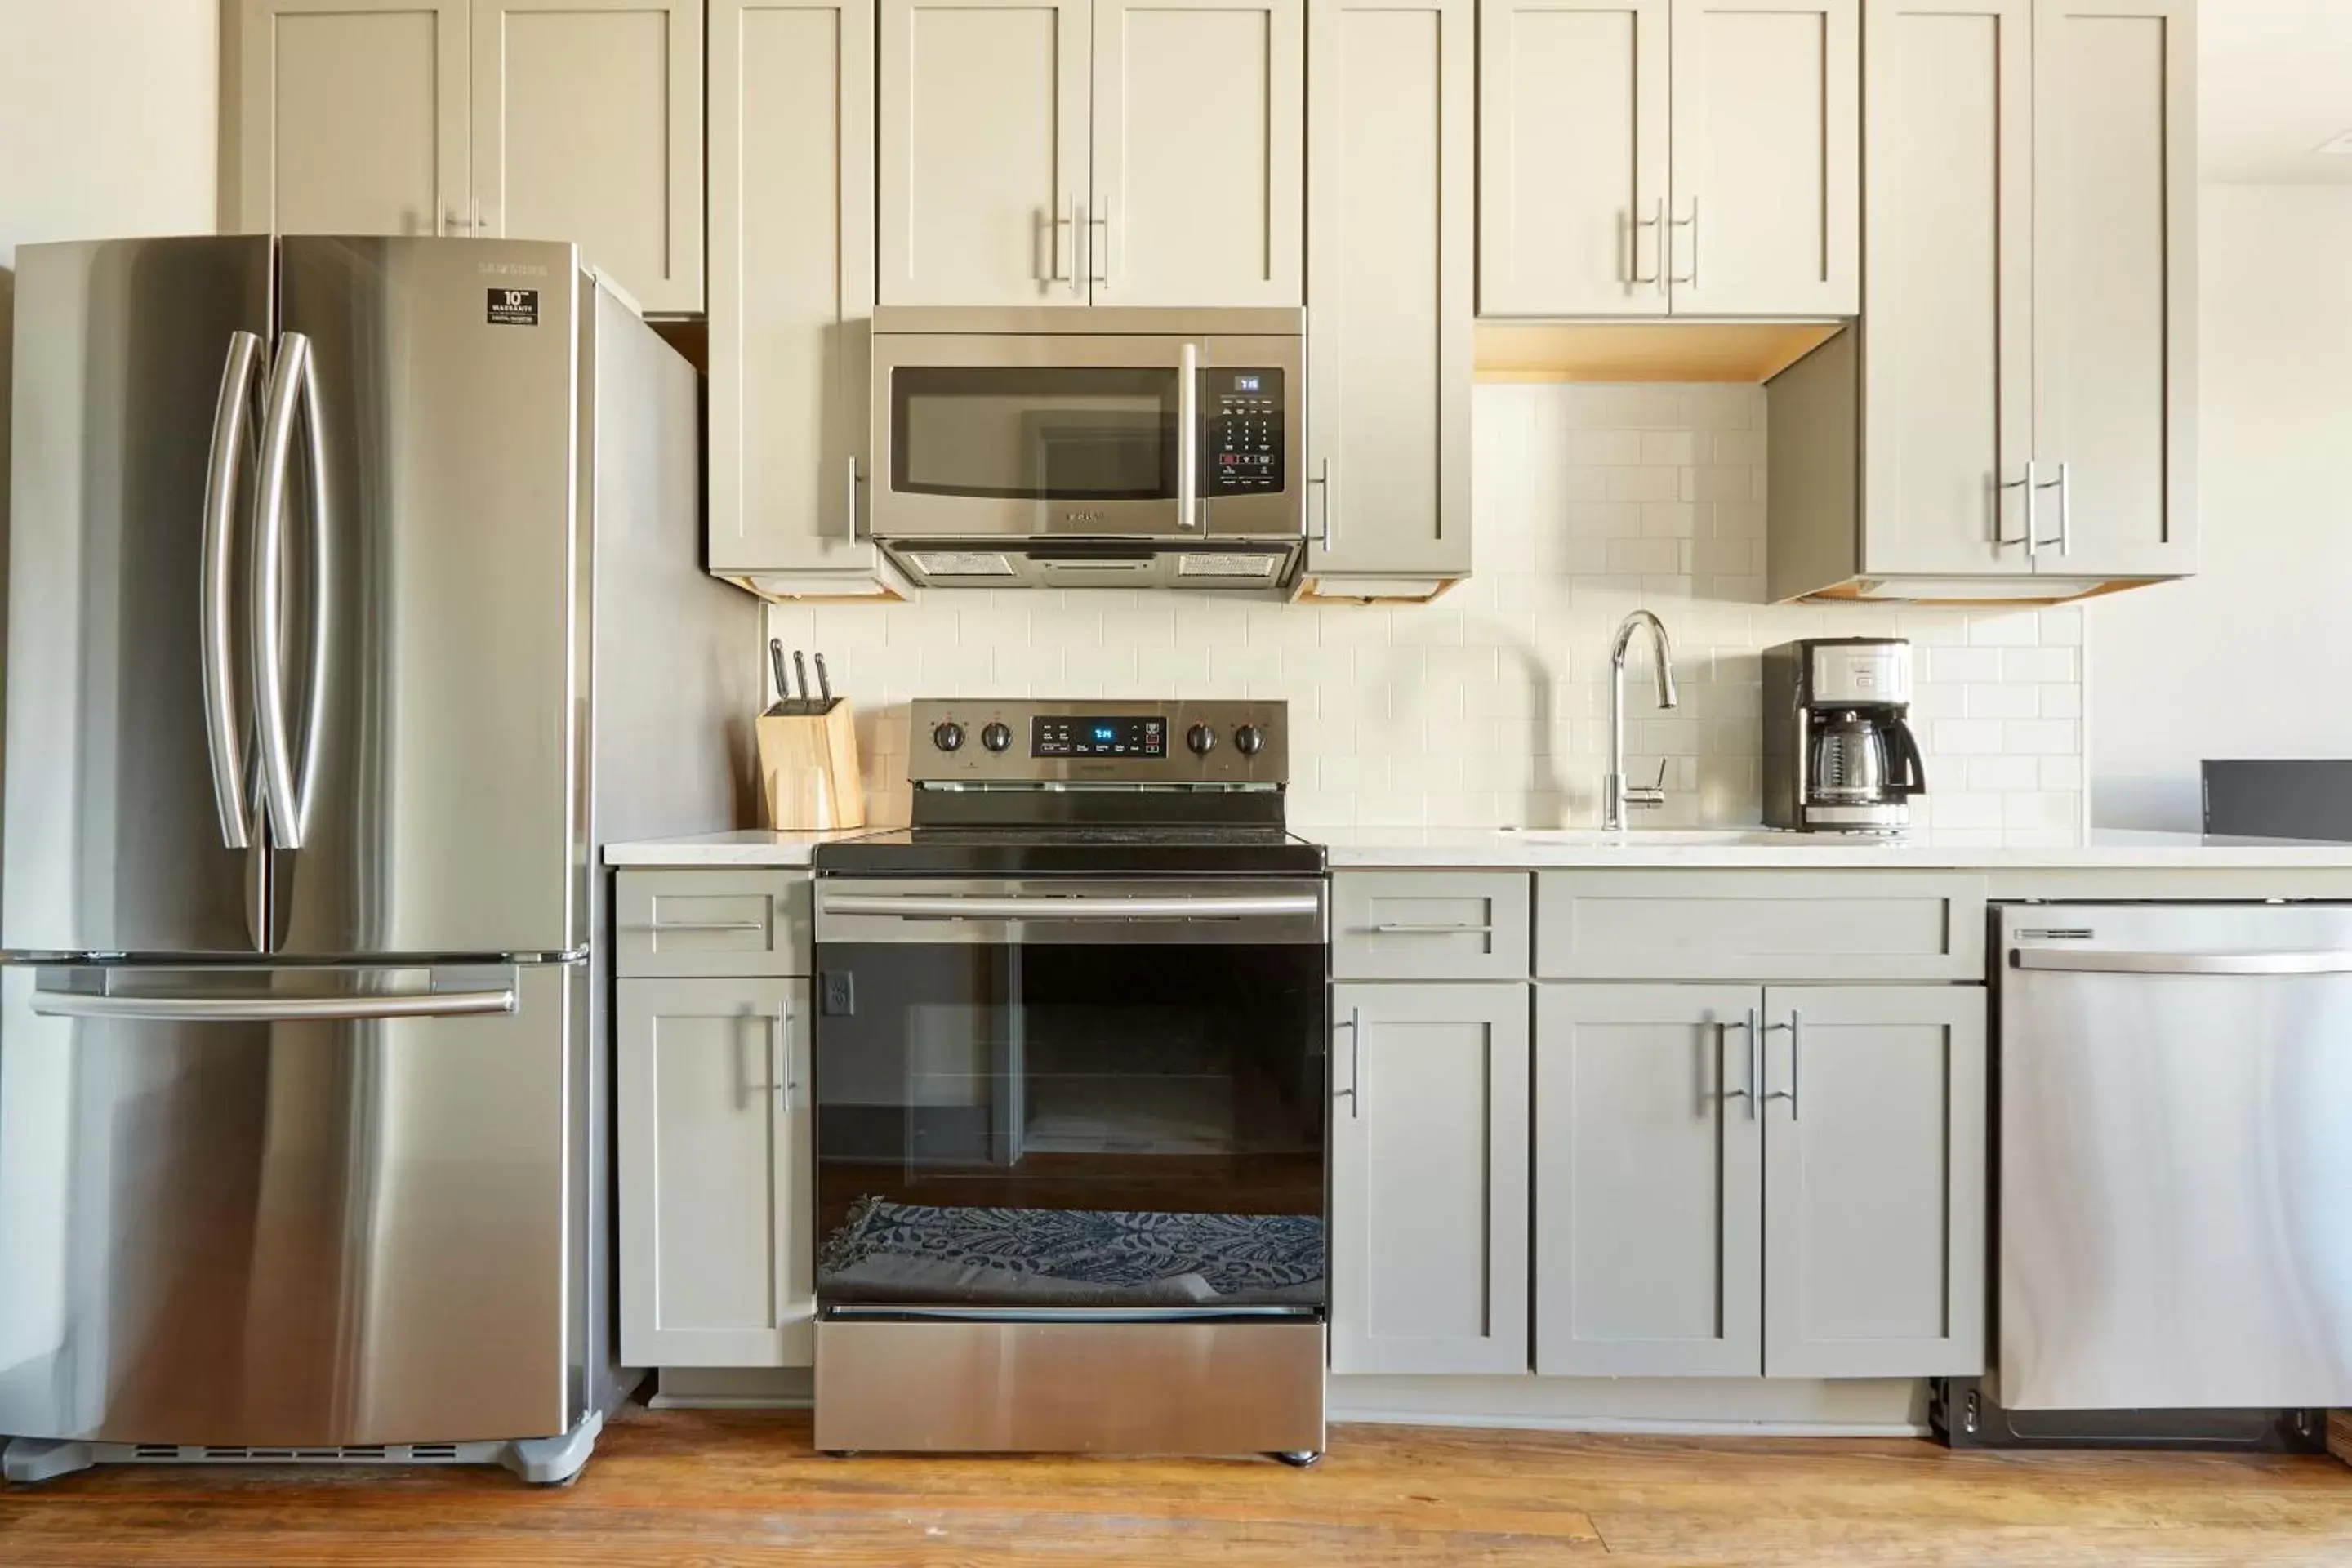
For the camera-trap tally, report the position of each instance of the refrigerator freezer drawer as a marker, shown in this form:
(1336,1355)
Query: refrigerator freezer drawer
(2176,1142)
(223,1226)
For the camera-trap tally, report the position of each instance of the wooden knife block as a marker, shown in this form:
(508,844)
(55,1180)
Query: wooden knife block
(808,767)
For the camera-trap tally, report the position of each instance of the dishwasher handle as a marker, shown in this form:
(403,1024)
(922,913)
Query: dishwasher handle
(2096,961)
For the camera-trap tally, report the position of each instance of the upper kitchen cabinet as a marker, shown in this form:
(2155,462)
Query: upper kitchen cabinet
(1669,157)
(792,293)
(2114,286)
(2016,419)
(587,126)
(983,146)
(575,120)
(351,117)
(1198,201)
(1390,162)
(1058,153)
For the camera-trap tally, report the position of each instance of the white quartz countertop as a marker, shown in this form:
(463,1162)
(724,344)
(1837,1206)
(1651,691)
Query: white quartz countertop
(752,847)
(1729,849)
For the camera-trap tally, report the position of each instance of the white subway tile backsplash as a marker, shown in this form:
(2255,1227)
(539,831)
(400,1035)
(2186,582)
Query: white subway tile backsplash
(1490,707)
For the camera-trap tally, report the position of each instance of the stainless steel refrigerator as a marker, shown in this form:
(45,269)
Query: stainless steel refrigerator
(354,601)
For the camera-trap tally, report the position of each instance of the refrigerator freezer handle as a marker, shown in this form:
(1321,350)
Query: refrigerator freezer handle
(272,1009)
(223,740)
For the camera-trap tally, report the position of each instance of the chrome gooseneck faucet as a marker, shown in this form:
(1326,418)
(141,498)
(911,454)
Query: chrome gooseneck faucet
(1615,795)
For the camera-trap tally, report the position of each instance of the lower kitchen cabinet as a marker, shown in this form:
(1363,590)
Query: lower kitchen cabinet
(1875,1181)
(716,1175)
(1649,1210)
(1732,1180)
(1429,1178)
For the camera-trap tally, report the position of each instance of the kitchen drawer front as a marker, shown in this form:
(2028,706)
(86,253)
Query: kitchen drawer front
(694,924)
(1760,925)
(1422,925)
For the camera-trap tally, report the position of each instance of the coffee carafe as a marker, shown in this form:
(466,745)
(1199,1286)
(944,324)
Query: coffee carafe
(1839,753)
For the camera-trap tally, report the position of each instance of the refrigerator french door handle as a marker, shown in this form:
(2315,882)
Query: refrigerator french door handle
(224,739)
(291,396)
(321,601)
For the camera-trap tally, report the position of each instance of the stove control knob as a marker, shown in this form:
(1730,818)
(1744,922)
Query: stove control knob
(1201,739)
(996,737)
(947,737)
(1249,739)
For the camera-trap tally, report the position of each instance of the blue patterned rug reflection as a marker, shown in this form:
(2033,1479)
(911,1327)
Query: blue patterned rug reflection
(920,1253)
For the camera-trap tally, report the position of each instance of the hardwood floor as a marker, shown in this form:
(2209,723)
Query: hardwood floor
(706,1488)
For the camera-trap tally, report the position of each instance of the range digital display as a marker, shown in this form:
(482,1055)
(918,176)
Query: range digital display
(1114,736)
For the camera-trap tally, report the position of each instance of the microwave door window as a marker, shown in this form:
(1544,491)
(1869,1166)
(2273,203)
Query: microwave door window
(1035,435)
(1072,1126)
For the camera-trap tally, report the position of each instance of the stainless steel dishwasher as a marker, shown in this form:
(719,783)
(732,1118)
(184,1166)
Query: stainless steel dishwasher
(2175,1157)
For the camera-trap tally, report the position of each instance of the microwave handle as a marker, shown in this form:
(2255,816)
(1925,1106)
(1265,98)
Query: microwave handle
(1188,436)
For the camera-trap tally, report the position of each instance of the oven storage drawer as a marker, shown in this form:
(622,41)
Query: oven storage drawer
(1760,925)
(1429,925)
(691,924)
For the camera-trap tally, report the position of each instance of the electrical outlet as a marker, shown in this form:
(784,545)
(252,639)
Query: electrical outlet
(840,995)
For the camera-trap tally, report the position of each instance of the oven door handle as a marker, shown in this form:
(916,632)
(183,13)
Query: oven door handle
(958,907)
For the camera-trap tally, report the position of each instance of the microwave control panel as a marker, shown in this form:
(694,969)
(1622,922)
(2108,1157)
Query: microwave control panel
(1244,435)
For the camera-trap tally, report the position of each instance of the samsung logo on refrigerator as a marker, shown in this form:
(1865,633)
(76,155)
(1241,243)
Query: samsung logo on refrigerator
(509,269)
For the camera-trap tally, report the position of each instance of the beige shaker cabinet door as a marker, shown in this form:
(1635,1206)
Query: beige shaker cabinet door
(1766,213)
(1875,1181)
(1648,1182)
(715,1171)
(587,126)
(1199,197)
(1573,157)
(1948,240)
(351,117)
(984,145)
(1391,163)
(1429,1179)
(791,288)
(2115,286)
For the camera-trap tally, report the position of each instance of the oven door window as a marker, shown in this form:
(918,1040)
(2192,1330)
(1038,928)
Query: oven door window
(1072,1126)
(1072,433)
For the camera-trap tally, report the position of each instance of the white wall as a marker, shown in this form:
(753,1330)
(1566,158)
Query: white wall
(109,112)
(2251,658)
(1489,708)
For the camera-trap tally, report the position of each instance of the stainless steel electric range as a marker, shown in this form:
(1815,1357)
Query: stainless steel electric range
(1072,1094)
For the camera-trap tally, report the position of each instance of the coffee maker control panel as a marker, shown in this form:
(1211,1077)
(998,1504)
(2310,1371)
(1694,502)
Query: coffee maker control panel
(1871,674)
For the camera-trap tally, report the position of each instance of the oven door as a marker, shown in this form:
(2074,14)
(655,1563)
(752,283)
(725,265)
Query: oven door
(985,435)
(1055,1098)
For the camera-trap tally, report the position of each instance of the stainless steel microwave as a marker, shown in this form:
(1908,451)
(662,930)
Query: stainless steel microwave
(1078,448)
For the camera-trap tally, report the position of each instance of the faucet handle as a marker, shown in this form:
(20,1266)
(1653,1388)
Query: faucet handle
(1650,795)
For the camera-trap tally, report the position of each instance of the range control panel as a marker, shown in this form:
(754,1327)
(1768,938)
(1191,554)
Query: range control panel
(1244,431)
(990,741)
(1084,735)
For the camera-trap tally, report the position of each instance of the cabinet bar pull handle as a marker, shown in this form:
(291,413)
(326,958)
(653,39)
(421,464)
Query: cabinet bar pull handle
(1722,1041)
(1098,270)
(1331,536)
(853,498)
(1404,929)
(1656,224)
(781,1062)
(1796,1028)
(1353,1093)
(710,925)
(2064,485)
(1690,223)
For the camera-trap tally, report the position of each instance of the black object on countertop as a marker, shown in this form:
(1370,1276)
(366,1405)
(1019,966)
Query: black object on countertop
(2304,799)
